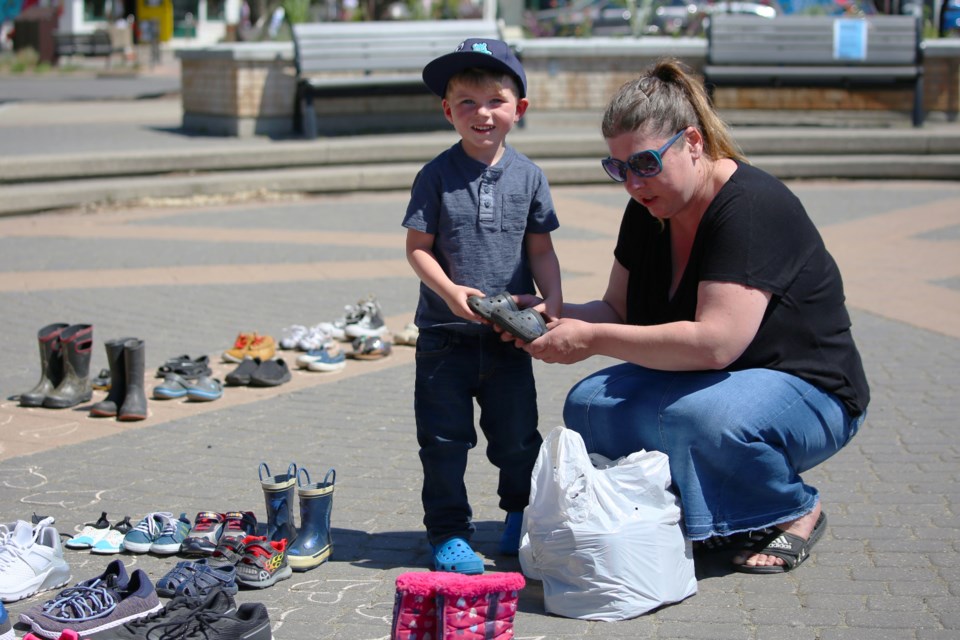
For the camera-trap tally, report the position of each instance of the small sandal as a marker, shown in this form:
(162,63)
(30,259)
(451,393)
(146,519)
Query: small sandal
(186,367)
(792,549)
(456,556)
(370,348)
(206,578)
(526,324)
(103,380)
(167,585)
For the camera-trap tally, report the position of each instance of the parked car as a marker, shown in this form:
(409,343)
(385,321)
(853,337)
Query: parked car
(581,17)
(950,18)
(833,7)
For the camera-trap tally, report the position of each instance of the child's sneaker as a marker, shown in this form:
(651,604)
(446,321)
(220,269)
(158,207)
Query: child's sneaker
(6,629)
(238,524)
(264,562)
(98,608)
(329,357)
(370,322)
(31,560)
(174,532)
(315,338)
(203,537)
(292,336)
(147,531)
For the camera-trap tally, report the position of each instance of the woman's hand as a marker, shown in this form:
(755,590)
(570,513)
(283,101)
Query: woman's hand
(565,342)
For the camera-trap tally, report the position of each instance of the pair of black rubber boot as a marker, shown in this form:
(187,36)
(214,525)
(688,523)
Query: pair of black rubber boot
(313,545)
(127,399)
(64,367)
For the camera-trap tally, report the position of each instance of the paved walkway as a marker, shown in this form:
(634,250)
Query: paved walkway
(187,278)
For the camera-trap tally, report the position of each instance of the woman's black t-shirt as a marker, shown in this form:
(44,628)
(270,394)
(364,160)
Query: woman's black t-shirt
(755,233)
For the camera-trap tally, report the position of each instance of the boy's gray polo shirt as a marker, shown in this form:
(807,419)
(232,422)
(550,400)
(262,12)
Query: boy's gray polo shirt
(478,216)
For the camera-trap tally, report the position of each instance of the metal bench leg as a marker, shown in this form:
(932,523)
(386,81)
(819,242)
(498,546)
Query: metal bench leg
(918,102)
(308,116)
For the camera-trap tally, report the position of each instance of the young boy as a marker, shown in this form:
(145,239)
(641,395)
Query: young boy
(478,223)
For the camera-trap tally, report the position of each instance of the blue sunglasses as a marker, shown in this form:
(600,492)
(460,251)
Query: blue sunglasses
(645,164)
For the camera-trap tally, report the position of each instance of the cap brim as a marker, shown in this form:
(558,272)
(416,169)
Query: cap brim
(438,72)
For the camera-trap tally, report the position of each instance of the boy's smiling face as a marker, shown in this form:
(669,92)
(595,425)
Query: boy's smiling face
(483,112)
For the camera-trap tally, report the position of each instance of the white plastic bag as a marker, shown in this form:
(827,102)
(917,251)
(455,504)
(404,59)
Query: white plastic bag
(606,542)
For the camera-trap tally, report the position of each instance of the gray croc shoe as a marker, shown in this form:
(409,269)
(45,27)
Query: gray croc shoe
(173,386)
(484,307)
(526,324)
(205,389)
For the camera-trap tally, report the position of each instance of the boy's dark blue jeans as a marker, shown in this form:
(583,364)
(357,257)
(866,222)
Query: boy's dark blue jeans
(453,369)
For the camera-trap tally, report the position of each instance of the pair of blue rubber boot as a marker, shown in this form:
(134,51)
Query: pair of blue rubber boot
(457,556)
(313,544)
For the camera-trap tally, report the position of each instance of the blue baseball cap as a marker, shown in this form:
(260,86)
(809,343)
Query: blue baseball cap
(483,53)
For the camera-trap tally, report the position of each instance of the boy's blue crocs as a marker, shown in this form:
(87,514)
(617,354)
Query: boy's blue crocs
(510,541)
(456,556)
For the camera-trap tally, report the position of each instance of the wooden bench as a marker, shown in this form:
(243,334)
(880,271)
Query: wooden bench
(357,59)
(879,52)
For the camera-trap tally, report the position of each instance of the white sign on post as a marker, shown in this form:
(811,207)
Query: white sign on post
(849,39)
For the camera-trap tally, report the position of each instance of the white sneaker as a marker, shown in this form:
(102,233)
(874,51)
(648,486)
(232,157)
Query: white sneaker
(292,336)
(31,560)
(315,338)
(369,324)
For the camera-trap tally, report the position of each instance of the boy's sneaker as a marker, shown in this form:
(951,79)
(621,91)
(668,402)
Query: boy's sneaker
(31,560)
(228,553)
(89,610)
(114,576)
(203,537)
(292,336)
(330,357)
(171,538)
(370,322)
(264,562)
(6,629)
(315,338)
(238,524)
(147,531)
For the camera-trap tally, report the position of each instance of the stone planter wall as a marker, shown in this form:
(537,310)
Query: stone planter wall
(243,89)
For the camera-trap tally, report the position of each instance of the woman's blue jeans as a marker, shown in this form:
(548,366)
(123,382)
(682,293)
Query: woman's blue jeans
(737,441)
(452,370)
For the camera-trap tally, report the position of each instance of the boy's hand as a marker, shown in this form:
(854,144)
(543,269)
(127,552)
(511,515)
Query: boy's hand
(456,300)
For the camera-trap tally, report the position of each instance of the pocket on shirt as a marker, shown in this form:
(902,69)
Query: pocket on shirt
(516,208)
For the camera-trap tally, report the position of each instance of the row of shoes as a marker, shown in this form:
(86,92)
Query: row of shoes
(361,320)
(116,605)
(65,353)
(250,561)
(101,537)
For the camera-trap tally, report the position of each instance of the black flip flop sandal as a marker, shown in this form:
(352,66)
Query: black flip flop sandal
(793,550)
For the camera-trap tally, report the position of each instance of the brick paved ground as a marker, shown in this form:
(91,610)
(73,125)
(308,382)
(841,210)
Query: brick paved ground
(186,279)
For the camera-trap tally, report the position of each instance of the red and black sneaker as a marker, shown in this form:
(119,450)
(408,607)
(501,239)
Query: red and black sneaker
(239,524)
(203,537)
(264,562)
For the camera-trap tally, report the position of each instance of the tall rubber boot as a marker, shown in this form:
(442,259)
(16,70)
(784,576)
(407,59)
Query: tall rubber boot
(76,345)
(108,407)
(314,543)
(51,365)
(278,494)
(134,405)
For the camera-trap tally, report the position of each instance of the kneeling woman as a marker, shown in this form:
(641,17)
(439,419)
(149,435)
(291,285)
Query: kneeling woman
(729,314)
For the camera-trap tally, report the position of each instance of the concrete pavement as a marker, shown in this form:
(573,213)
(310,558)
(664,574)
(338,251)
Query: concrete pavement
(186,275)
(187,278)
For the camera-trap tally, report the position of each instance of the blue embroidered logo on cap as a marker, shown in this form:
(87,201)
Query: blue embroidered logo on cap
(481,47)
